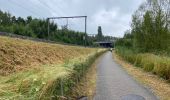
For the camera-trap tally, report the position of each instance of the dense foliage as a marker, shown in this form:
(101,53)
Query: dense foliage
(38,28)
(150,29)
(147,44)
(100,36)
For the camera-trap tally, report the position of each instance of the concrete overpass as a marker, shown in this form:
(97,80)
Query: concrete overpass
(106,44)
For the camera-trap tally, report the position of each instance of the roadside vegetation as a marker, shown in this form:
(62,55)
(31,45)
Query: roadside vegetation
(157,85)
(87,85)
(157,64)
(147,44)
(36,70)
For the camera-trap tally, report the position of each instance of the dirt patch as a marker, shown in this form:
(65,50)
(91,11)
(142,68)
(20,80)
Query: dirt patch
(158,86)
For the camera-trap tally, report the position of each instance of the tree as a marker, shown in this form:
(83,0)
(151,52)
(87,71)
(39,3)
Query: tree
(161,30)
(128,35)
(99,34)
(148,32)
(37,28)
(20,21)
(137,32)
(13,19)
(5,18)
(29,19)
(150,26)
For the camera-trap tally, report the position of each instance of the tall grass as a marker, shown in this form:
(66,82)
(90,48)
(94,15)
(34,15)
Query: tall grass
(159,65)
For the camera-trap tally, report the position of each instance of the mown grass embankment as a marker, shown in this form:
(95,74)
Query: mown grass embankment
(159,65)
(35,70)
(18,54)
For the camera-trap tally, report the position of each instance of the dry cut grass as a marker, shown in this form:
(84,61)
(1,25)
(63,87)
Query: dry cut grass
(29,69)
(17,54)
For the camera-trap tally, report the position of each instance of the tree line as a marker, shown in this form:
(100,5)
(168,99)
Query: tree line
(150,28)
(38,28)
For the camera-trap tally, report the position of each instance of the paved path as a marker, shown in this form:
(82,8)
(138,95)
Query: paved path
(113,82)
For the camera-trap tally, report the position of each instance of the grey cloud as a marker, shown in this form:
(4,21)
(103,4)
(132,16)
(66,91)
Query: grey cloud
(113,15)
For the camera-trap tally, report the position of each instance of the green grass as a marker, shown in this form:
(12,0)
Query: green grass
(28,84)
(44,82)
(159,65)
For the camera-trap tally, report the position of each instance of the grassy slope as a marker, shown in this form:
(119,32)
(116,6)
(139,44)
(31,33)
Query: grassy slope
(17,54)
(28,68)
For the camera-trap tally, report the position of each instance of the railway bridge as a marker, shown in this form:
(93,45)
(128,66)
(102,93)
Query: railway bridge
(106,44)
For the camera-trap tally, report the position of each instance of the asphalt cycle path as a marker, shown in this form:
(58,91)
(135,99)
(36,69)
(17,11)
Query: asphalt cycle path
(114,83)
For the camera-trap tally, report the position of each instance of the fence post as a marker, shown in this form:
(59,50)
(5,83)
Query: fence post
(61,87)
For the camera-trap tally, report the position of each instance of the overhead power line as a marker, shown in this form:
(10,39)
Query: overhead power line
(47,6)
(41,12)
(21,6)
(70,17)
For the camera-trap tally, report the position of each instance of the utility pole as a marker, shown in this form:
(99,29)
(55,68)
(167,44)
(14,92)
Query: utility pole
(85,24)
(85,31)
(67,24)
(114,43)
(48,28)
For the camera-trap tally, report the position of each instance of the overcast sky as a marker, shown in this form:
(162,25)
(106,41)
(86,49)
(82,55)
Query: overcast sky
(113,15)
